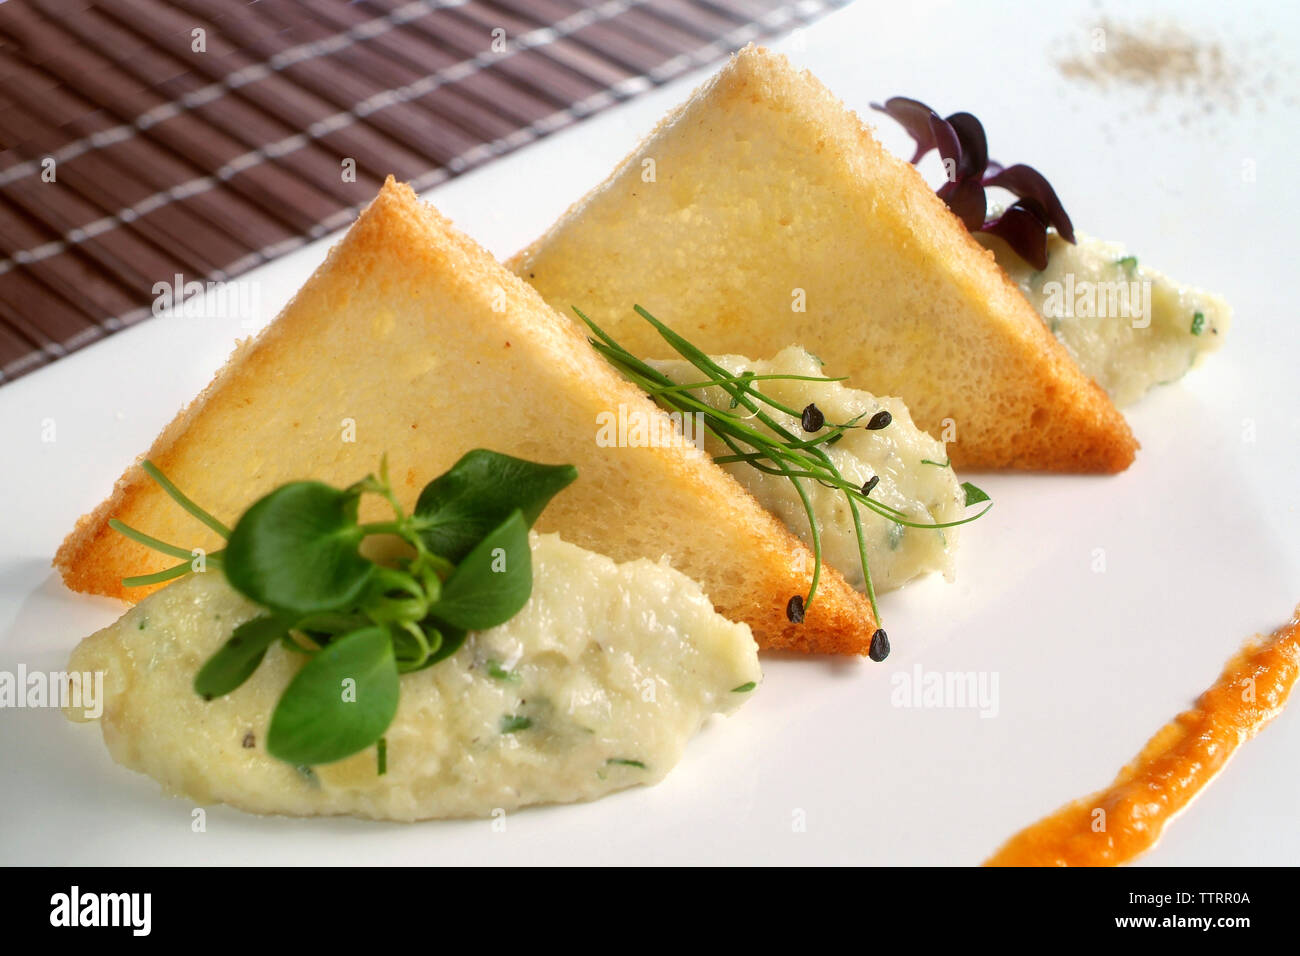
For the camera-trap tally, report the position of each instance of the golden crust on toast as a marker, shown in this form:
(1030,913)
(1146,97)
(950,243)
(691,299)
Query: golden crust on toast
(415,342)
(762,189)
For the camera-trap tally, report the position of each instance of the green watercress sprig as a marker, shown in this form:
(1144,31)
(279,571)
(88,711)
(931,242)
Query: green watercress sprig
(362,623)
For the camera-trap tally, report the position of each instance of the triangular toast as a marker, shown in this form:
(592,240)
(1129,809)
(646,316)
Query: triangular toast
(416,342)
(764,193)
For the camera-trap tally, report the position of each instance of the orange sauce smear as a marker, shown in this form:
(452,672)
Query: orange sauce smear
(1175,765)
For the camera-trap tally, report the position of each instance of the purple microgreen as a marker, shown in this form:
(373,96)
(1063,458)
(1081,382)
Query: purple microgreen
(969,172)
(916,118)
(974,145)
(948,143)
(1023,226)
(966,199)
(1028,183)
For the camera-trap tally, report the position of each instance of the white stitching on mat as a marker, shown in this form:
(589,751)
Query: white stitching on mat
(233,81)
(341,120)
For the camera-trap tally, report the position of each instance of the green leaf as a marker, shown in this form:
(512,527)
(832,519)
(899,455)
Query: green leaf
(479,492)
(318,626)
(973,495)
(340,703)
(493,582)
(744,688)
(235,662)
(295,551)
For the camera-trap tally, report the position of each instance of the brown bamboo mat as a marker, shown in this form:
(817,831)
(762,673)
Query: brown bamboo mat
(134,150)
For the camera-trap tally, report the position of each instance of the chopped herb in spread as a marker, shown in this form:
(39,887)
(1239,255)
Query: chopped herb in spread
(744,688)
(496,671)
(896,533)
(1126,326)
(512,723)
(621,762)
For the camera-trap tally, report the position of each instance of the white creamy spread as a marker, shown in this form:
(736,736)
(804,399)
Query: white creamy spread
(594,686)
(915,475)
(1128,326)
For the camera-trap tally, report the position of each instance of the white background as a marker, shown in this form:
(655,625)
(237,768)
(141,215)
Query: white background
(1201,535)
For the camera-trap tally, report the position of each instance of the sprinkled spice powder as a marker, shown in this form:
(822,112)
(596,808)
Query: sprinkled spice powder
(1166,61)
(1151,55)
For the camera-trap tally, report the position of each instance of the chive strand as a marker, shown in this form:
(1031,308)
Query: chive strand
(144,580)
(862,554)
(149,541)
(812,526)
(181,499)
(691,386)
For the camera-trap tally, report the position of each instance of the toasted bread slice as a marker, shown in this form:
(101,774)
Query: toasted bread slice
(413,341)
(763,194)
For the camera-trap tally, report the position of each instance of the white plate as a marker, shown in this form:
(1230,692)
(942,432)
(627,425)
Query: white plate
(1201,536)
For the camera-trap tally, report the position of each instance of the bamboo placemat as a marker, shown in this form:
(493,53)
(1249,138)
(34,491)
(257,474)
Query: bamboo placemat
(142,141)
